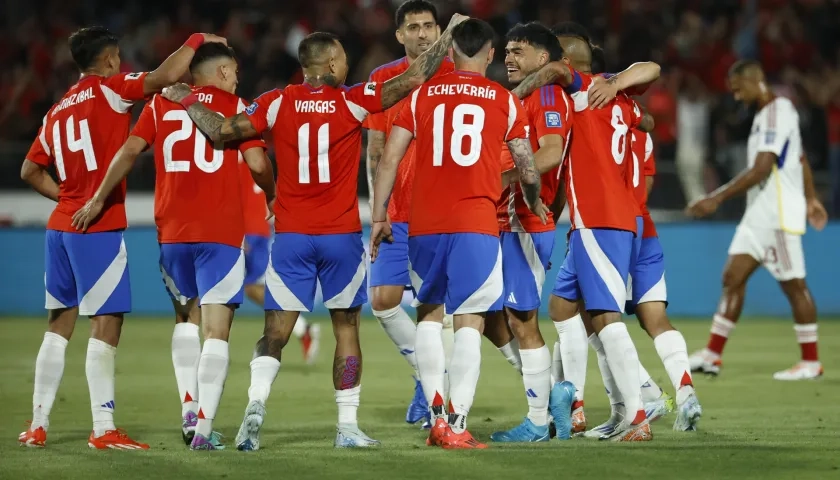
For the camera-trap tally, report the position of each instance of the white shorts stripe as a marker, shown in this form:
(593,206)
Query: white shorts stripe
(345,297)
(172,288)
(280,292)
(488,293)
(51,303)
(229,286)
(606,270)
(533,259)
(101,291)
(657,293)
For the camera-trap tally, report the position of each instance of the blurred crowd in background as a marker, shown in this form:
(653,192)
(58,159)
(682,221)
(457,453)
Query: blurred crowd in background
(700,131)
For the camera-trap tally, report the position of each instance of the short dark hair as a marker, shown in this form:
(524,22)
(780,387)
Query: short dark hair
(313,45)
(210,51)
(414,6)
(571,29)
(472,35)
(538,36)
(742,65)
(599,59)
(87,43)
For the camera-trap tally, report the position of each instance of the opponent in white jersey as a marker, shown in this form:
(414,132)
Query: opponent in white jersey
(780,195)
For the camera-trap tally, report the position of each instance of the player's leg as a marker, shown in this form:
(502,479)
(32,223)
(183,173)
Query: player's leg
(745,255)
(497,330)
(62,308)
(177,270)
(290,282)
(791,276)
(617,410)
(388,278)
(342,274)
(602,261)
(100,265)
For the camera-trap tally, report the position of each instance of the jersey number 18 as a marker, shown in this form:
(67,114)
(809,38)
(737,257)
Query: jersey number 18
(460,130)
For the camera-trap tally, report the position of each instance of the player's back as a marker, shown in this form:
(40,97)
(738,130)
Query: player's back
(600,173)
(318,140)
(81,134)
(197,187)
(459,122)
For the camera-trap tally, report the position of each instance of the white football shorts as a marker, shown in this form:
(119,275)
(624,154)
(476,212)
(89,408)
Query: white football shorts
(780,252)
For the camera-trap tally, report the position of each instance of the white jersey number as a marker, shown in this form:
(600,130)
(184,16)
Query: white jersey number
(636,172)
(323,153)
(82,144)
(619,138)
(460,129)
(186,131)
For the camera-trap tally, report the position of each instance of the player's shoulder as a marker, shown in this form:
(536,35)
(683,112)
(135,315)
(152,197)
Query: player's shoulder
(546,96)
(385,72)
(782,105)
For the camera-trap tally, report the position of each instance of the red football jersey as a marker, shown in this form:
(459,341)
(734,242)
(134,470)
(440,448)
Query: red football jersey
(599,171)
(80,135)
(317,135)
(642,147)
(401,195)
(253,203)
(197,188)
(459,120)
(549,112)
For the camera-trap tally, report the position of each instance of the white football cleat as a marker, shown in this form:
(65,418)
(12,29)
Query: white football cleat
(705,361)
(248,438)
(607,427)
(660,407)
(801,371)
(349,436)
(688,414)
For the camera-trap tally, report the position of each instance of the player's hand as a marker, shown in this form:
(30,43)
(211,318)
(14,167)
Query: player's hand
(380,231)
(456,19)
(703,207)
(540,210)
(210,38)
(269,209)
(87,214)
(817,216)
(601,92)
(176,92)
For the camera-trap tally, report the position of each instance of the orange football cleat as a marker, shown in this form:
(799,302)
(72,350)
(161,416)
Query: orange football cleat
(458,441)
(438,433)
(578,418)
(33,438)
(641,433)
(115,439)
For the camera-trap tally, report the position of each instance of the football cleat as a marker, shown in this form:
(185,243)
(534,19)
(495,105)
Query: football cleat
(418,409)
(437,433)
(248,437)
(705,361)
(578,419)
(115,439)
(688,414)
(36,438)
(349,436)
(525,432)
(461,441)
(560,406)
(188,424)
(801,371)
(638,431)
(311,343)
(660,407)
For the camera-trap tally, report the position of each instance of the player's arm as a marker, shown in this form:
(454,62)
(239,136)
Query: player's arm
(39,179)
(633,81)
(647,123)
(216,127)
(745,180)
(422,68)
(552,72)
(649,183)
(261,170)
(559,202)
(177,64)
(817,215)
(375,149)
(529,177)
(386,171)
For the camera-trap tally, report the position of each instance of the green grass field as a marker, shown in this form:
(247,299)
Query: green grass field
(753,426)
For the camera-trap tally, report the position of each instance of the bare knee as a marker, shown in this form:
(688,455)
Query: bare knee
(385,297)
(216,321)
(653,319)
(496,329)
(62,321)
(106,328)
(345,323)
(278,328)
(560,309)
(526,329)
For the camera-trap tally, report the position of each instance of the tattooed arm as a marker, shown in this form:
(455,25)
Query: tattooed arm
(375,148)
(217,128)
(421,69)
(529,177)
(552,72)
(647,123)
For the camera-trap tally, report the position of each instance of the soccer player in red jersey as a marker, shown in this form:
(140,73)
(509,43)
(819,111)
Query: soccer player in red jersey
(526,241)
(458,120)
(417,29)
(316,130)
(604,218)
(201,263)
(257,242)
(87,273)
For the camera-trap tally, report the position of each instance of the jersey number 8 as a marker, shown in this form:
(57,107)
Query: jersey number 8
(460,129)
(619,142)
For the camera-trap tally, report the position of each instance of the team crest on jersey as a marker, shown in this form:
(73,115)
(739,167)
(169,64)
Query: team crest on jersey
(250,109)
(133,76)
(552,119)
(370,89)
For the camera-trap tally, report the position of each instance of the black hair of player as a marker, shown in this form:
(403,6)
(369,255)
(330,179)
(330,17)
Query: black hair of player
(210,51)
(313,45)
(87,43)
(599,59)
(414,6)
(743,65)
(537,35)
(572,29)
(472,35)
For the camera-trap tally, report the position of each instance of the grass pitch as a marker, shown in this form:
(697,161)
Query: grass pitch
(752,427)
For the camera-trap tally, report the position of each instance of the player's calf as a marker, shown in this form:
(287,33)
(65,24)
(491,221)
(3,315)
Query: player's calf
(497,330)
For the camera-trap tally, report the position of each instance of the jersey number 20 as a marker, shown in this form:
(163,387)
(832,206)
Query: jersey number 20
(186,131)
(460,129)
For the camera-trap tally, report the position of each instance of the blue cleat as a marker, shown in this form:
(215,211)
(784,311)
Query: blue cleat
(524,432)
(560,407)
(418,409)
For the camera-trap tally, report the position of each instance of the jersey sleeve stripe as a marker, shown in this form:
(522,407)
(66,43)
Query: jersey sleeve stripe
(566,103)
(273,111)
(358,112)
(117,103)
(648,146)
(577,83)
(414,110)
(42,137)
(780,162)
(511,113)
